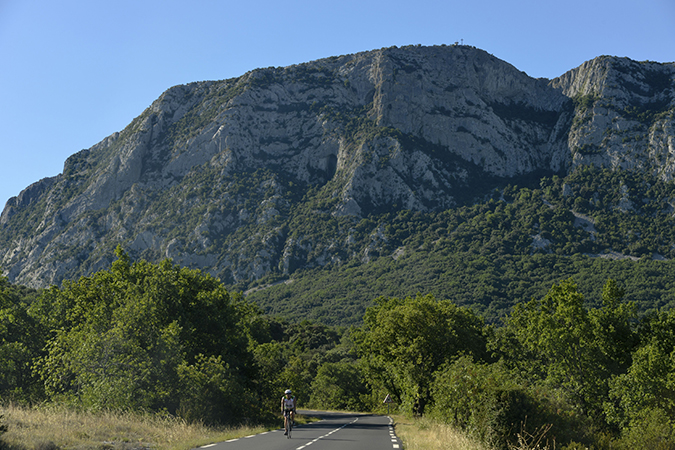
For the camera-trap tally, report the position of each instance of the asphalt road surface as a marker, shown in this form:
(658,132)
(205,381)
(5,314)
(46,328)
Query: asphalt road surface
(336,431)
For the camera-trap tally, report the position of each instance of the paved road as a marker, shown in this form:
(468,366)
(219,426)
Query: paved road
(336,431)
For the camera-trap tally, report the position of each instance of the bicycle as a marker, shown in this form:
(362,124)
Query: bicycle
(288,423)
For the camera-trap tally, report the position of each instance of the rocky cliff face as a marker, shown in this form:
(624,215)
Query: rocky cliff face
(624,114)
(224,175)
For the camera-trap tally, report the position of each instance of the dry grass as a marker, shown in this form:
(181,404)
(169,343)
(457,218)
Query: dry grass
(62,428)
(429,435)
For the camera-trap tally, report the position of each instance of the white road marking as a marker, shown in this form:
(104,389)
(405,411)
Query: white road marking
(326,435)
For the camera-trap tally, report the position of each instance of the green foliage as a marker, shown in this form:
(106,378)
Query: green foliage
(404,341)
(570,346)
(648,113)
(652,428)
(585,367)
(340,385)
(289,356)
(483,255)
(476,397)
(585,102)
(131,336)
(211,391)
(648,383)
(21,340)
(488,284)
(493,404)
(583,105)
(632,213)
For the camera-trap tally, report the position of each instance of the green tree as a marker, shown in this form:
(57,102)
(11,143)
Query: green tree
(21,341)
(559,340)
(339,385)
(404,341)
(648,384)
(212,392)
(129,337)
(614,327)
(270,359)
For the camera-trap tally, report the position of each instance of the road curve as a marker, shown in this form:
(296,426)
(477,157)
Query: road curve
(335,431)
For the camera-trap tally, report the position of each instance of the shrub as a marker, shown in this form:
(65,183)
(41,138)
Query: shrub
(653,429)
(212,393)
(479,398)
(488,401)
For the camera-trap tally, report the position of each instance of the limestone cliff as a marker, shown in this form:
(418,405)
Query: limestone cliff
(222,175)
(624,114)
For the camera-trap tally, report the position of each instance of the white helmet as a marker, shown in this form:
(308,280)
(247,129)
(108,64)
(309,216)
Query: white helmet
(288,391)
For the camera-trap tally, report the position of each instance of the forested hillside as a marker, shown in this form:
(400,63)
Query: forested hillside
(513,245)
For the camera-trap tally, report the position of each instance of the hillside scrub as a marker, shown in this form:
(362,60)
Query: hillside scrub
(505,246)
(172,341)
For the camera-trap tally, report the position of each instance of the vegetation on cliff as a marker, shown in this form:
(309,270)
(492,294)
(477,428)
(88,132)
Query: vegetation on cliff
(320,164)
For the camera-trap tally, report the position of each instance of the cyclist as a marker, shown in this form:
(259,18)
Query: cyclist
(288,407)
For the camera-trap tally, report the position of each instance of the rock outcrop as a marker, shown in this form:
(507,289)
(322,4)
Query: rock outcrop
(222,175)
(624,114)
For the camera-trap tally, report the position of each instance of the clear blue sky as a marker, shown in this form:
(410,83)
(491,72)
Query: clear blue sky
(75,71)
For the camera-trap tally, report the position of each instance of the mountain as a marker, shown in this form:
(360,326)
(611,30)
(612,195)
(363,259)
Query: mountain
(289,169)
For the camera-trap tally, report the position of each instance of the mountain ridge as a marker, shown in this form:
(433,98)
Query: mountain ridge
(223,175)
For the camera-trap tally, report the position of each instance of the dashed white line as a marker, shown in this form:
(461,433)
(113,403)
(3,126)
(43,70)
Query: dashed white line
(303,446)
(326,435)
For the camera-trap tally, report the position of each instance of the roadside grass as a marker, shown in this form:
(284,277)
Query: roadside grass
(426,434)
(62,428)
(52,428)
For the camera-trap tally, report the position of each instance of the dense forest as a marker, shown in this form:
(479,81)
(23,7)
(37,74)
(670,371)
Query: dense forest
(586,371)
(500,247)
